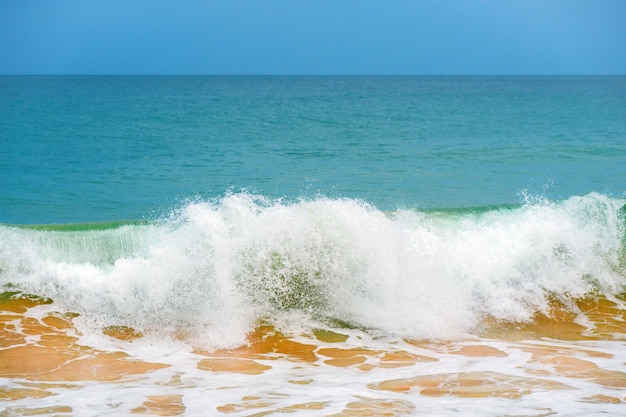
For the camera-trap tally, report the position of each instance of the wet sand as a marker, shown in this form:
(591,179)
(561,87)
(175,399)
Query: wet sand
(43,355)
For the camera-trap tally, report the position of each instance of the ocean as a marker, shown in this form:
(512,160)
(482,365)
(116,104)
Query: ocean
(313,245)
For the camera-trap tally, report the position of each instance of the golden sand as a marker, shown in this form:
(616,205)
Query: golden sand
(44,354)
(38,411)
(46,349)
(470,385)
(8,394)
(252,403)
(265,343)
(240,366)
(161,405)
(607,319)
(371,407)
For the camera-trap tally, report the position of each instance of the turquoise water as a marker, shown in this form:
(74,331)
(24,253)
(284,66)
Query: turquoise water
(317,194)
(105,148)
(387,209)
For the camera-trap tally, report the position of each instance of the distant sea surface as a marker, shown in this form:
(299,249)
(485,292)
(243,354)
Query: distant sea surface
(99,148)
(323,245)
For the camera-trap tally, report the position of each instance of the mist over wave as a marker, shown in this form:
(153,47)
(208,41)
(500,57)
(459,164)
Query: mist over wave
(215,268)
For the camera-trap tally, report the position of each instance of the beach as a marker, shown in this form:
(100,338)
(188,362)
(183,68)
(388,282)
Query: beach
(315,246)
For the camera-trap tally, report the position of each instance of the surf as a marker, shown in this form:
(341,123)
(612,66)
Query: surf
(215,269)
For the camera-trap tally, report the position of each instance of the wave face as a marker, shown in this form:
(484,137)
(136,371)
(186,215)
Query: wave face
(214,269)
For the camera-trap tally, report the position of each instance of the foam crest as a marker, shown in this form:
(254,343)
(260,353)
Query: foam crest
(213,269)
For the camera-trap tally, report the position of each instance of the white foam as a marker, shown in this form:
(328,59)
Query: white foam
(217,267)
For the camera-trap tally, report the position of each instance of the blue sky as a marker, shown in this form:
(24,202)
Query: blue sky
(313,37)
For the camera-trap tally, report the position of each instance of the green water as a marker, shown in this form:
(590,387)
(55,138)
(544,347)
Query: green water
(111,148)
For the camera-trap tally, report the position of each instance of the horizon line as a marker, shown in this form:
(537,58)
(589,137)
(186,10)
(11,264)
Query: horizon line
(121,74)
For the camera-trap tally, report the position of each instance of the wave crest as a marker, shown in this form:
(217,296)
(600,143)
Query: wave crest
(218,267)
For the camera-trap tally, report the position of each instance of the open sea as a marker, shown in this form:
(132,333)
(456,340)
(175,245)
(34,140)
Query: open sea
(312,246)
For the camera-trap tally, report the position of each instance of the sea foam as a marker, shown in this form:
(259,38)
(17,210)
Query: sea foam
(213,269)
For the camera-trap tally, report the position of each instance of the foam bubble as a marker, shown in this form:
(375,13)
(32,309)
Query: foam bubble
(214,268)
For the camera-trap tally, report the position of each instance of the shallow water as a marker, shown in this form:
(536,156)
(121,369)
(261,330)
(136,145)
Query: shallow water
(248,307)
(549,366)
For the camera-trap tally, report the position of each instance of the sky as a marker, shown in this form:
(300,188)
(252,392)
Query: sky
(313,37)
